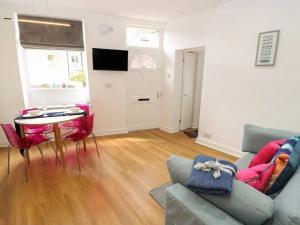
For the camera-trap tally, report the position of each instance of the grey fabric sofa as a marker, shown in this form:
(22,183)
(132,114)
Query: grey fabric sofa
(245,205)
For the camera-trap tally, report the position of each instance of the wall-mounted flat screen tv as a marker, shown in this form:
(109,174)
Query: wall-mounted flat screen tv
(109,59)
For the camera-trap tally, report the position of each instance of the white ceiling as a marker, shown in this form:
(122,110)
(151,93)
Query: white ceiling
(161,10)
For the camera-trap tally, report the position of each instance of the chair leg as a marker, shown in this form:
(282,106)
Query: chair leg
(84,144)
(41,152)
(8,159)
(77,155)
(26,165)
(55,151)
(95,140)
(64,144)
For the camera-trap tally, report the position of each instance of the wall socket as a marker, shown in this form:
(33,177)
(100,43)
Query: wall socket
(108,85)
(207,135)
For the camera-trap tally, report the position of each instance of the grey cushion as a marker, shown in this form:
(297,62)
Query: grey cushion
(256,137)
(183,207)
(287,203)
(243,162)
(245,203)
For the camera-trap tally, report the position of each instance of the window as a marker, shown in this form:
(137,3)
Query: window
(55,68)
(142,37)
(143,62)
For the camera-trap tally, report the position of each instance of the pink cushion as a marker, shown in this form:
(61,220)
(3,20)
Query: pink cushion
(266,153)
(257,176)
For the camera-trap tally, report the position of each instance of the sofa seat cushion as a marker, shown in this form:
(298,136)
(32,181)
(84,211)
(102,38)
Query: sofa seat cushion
(243,162)
(186,208)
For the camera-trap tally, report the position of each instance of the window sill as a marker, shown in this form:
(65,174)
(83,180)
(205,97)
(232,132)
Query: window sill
(56,89)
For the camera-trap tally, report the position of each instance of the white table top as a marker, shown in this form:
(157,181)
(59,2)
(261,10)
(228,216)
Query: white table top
(47,120)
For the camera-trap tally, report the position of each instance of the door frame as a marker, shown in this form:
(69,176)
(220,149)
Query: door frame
(179,79)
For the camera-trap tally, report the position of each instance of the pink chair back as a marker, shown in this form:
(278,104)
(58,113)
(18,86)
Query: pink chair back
(89,124)
(12,135)
(25,111)
(84,107)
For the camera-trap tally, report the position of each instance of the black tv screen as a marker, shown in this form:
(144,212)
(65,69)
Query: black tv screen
(109,59)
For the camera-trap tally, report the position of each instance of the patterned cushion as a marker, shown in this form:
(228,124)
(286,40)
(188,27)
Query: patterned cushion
(287,172)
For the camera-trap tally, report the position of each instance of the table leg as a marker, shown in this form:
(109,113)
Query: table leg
(22,134)
(58,143)
(84,144)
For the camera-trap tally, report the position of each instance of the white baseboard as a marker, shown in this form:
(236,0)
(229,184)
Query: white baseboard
(3,143)
(110,132)
(169,129)
(219,147)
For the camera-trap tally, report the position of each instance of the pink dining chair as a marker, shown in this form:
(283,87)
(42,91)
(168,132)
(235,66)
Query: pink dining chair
(24,143)
(85,130)
(75,124)
(35,129)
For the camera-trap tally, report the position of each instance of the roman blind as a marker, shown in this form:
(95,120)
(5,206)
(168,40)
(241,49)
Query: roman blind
(50,33)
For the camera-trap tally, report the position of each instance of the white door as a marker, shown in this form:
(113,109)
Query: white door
(188,83)
(143,95)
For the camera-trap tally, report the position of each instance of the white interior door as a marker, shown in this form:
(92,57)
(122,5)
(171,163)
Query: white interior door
(188,83)
(143,95)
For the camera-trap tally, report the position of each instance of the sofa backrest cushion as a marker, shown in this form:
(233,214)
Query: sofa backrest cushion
(256,137)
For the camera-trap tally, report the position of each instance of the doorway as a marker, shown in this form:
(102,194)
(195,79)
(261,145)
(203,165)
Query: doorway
(191,89)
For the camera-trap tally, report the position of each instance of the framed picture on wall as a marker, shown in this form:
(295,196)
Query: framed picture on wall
(267,48)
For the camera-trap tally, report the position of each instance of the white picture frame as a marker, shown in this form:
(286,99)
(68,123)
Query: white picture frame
(267,48)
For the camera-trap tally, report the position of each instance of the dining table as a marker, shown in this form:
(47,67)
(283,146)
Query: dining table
(50,117)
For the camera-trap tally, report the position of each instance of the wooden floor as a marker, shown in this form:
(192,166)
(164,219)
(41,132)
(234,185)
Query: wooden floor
(113,190)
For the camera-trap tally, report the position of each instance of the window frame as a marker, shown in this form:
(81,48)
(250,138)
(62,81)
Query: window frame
(27,75)
(159,30)
(144,68)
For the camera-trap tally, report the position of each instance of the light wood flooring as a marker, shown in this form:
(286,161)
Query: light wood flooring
(112,190)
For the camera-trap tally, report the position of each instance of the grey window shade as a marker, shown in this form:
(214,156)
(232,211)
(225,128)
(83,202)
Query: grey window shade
(35,35)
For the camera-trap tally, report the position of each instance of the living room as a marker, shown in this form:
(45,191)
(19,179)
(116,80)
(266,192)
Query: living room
(142,112)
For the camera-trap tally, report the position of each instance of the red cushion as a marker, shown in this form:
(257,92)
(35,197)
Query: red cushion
(266,153)
(257,176)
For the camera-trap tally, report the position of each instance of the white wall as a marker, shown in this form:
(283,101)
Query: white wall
(11,98)
(236,92)
(109,104)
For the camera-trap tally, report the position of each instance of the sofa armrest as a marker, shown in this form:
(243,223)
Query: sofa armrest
(245,203)
(185,207)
